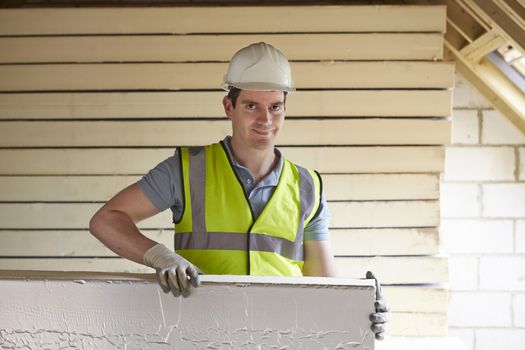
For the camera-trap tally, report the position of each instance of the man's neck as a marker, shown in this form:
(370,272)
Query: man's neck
(260,162)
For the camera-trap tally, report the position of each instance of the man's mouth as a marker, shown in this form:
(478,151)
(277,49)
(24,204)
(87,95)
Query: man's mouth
(263,131)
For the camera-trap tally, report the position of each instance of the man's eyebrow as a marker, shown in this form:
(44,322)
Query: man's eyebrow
(249,102)
(257,103)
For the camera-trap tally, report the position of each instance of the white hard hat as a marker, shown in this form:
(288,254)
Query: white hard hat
(259,66)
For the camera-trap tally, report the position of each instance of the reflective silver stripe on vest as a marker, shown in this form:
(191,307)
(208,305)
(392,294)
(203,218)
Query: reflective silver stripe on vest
(201,239)
(239,241)
(197,174)
(281,246)
(306,198)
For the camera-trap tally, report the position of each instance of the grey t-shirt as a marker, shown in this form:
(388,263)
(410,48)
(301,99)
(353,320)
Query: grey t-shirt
(163,186)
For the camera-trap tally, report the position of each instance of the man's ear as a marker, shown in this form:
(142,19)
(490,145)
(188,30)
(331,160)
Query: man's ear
(228,106)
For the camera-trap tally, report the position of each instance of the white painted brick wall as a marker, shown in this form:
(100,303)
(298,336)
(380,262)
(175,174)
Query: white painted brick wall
(504,200)
(465,127)
(486,252)
(519,310)
(500,339)
(498,130)
(521,153)
(466,336)
(520,236)
(479,164)
(465,96)
(460,200)
(477,236)
(463,273)
(480,309)
(505,272)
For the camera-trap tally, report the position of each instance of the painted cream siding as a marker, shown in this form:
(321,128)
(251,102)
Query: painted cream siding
(92,98)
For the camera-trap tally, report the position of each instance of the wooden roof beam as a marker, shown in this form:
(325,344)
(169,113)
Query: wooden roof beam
(514,10)
(493,84)
(483,45)
(503,19)
(467,25)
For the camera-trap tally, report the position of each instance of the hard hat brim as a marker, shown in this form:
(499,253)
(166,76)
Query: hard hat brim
(257,87)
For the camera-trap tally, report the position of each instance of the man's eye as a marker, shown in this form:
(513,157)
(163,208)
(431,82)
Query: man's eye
(276,108)
(250,106)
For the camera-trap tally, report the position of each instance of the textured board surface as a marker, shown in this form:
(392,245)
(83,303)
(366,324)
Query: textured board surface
(346,215)
(170,48)
(165,133)
(219,314)
(360,242)
(223,20)
(207,104)
(122,161)
(101,188)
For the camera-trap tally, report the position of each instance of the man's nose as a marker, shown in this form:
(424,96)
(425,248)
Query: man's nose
(265,116)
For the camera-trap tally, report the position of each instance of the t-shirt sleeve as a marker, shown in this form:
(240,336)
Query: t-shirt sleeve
(163,186)
(317,228)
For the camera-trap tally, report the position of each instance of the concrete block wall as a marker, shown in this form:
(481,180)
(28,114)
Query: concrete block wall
(483,224)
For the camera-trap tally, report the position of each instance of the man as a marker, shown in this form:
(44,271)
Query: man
(239,207)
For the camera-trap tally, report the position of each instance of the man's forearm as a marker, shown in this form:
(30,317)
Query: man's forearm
(318,259)
(120,234)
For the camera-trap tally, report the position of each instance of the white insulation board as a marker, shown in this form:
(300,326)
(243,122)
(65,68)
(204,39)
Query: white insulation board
(226,312)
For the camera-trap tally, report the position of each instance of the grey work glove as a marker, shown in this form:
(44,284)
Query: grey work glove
(174,273)
(380,317)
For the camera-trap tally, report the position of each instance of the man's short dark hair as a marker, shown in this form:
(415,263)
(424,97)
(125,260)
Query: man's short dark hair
(234,93)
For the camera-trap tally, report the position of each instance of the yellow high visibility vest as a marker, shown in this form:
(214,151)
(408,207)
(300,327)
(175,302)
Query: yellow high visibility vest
(217,231)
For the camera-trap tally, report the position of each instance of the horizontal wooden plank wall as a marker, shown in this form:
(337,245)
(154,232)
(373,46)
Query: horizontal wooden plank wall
(183,104)
(304,19)
(92,98)
(393,46)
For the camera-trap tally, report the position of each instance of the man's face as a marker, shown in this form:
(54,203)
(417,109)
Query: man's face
(256,118)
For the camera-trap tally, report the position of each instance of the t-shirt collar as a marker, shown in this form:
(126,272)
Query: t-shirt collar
(271,179)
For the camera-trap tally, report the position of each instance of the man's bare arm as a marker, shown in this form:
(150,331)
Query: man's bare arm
(318,259)
(115,226)
(115,223)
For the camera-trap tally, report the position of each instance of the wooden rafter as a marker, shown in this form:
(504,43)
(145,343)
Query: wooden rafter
(492,84)
(503,19)
(495,23)
(483,45)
